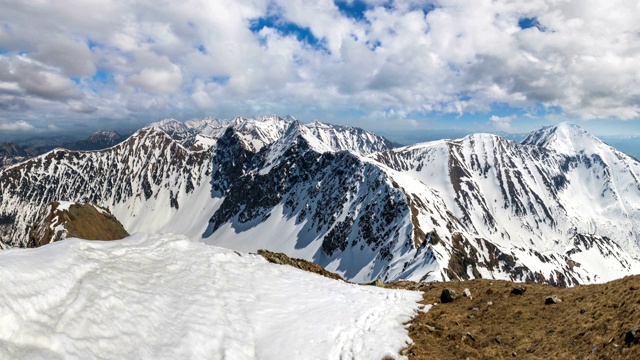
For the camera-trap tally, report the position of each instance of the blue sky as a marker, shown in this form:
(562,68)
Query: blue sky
(511,66)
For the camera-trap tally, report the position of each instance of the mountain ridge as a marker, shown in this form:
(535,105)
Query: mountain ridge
(480,206)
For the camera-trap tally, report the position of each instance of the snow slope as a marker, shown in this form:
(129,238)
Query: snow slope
(164,297)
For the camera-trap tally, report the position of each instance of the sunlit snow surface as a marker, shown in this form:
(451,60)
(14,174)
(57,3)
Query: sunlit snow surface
(164,297)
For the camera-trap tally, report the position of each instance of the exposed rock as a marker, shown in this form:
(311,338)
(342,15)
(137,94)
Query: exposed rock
(518,290)
(447,296)
(553,299)
(61,220)
(282,259)
(632,337)
(466,293)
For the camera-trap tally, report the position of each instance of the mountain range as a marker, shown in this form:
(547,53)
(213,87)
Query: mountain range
(13,153)
(560,207)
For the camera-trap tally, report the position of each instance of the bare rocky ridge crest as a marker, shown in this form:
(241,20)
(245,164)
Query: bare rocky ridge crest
(73,220)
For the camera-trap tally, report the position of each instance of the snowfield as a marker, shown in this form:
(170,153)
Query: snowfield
(165,297)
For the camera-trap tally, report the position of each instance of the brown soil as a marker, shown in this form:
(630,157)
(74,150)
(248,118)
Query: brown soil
(590,323)
(82,221)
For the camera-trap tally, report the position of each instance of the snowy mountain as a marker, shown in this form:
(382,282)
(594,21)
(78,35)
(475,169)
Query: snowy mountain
(265,130)
(481,206)
(12,153)
(547,208)
(99,140)
(78,299)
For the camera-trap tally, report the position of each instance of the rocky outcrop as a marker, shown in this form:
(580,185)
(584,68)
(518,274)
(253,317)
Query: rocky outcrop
(61,220)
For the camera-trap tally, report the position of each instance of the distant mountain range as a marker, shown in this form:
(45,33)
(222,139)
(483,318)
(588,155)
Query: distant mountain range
(560,207)
(13,153)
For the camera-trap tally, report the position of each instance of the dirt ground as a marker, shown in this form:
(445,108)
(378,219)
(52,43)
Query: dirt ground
(590,323)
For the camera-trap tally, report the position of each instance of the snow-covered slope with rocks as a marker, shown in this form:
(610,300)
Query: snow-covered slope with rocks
(481,206)
(148,181)
(543,206)
(164,297)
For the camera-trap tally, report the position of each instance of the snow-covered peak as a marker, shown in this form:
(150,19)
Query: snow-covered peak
(174,128)
(565,138)
(201,124)
(168,124)
(348,138)
(295,136)
(105,136)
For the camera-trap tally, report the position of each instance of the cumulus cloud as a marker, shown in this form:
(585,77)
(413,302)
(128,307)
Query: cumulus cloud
(33,78)
(18,126)
(502,122)
(315,58)
(164,80)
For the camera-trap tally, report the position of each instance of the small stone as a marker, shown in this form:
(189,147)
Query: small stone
(466,293)
(518,290)
(470,316)
(497,339)
(489,303)
(514,354)
(447,296)
(471,337)
(475,309)
(553,299)
(380,283)
(430,328)
(582,311)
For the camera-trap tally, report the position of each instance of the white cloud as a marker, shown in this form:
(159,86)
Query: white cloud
(81,107)
(154,79)
(33,78)
(73,57)
(18,126)
(461,57)
(502,122)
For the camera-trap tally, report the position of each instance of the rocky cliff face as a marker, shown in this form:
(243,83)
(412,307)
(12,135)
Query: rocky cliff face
(481,206)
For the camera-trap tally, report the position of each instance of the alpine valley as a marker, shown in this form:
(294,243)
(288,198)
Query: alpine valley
(561,207)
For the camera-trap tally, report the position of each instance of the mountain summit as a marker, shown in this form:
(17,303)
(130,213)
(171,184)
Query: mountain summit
(566,138)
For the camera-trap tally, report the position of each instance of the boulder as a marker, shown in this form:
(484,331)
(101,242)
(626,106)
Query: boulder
(553,299)
(632,337)
(447,296)
(518,290)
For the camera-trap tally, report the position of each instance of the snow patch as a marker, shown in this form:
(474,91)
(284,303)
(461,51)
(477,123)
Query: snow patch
(162,296)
